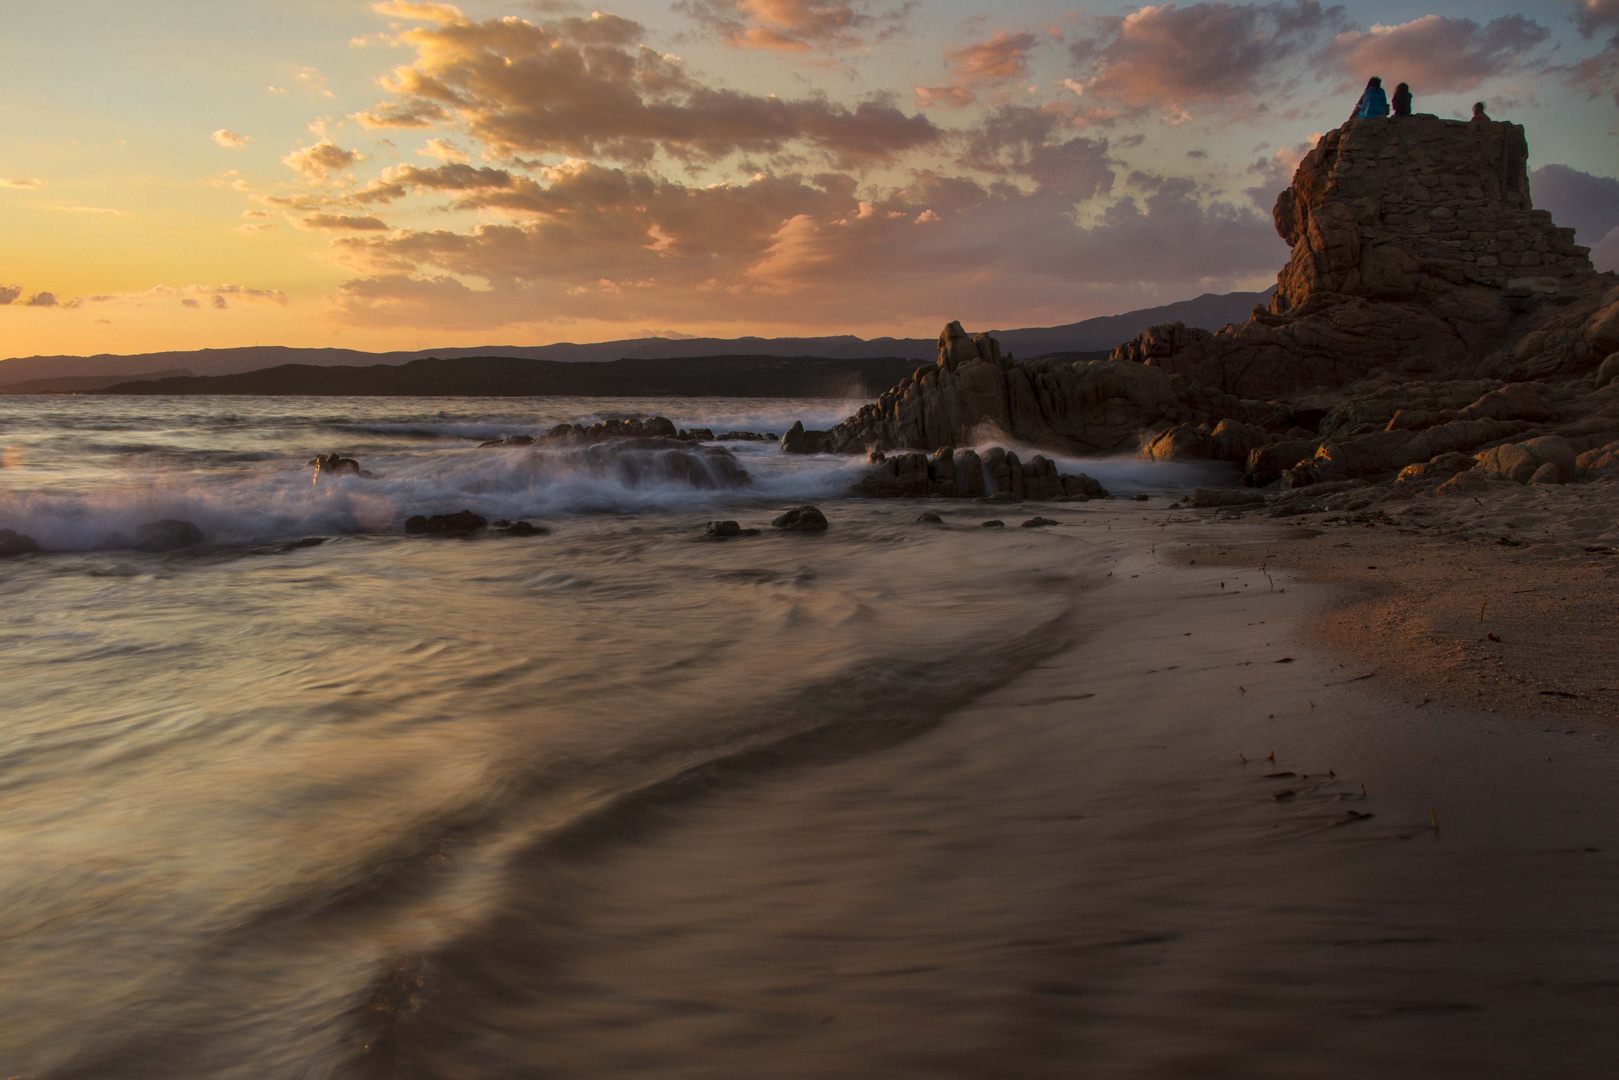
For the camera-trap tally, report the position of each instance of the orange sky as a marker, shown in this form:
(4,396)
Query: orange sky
(407,175)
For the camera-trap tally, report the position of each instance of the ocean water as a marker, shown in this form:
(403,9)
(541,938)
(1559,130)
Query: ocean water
(894,800)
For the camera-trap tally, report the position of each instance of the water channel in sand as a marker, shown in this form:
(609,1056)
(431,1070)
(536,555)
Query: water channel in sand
(893,801)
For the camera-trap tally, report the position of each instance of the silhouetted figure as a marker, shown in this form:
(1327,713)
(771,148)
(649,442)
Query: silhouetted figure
(1479,115)
(1373,102)
(1402,100)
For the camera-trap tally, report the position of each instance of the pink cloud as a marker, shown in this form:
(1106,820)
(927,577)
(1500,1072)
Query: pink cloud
(1001,59)
(1436,53)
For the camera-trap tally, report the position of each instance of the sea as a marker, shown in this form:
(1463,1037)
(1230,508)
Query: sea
(321,798)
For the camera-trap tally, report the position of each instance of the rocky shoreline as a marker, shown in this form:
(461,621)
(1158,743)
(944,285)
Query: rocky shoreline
(1431,331)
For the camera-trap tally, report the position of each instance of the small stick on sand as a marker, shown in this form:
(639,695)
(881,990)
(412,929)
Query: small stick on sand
(1433,813)
(1481,608)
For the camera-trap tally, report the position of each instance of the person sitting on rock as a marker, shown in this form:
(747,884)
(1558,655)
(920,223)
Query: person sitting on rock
(1479,115)
(1402,100)
(1373,102)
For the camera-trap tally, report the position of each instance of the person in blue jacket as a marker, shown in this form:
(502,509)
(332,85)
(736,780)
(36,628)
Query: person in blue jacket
(1374,102)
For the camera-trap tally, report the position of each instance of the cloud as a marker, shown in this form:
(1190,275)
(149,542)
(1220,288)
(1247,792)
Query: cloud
(795,25)
(1599,74)
(1226,56)
(995,62)
(9,293)
(22,183)
(582,87)
(92,210)
(43,299)
(1592,16)
(622,245)
(230,140)
(343,222)
(443,150)
(1436,53)
(313,79)
(400,180)
(425,12)
(1018,140)
(1580,201)
(320,160)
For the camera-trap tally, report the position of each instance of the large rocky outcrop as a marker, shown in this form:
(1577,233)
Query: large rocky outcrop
(975,393)
(1415,249)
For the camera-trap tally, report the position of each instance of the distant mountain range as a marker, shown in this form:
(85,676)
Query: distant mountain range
(88,374)
(508,376)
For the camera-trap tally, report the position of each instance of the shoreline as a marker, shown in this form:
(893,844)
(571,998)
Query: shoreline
(1506,606)
(1078,869)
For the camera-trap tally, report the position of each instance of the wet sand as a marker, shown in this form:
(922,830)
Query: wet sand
(1096,869)
(1506,603)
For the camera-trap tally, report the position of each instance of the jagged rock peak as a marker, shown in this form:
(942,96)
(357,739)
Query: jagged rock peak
(1403,208)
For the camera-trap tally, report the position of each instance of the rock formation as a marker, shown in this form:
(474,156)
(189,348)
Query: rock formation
(1415,249)
(951,474)
(1430,325)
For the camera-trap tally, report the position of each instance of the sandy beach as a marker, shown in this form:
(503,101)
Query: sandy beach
(1198,840)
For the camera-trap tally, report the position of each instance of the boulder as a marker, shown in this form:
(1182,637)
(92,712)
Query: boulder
(969,471)
(525,528)
(1601,461)
(801,519)
(1442,467)
(1519,462)
(1473,482)
(1183,442)
(1608,371)
(799,441)
(994,523)
(167,535)
(1266,463)
(1040,523)
(930,518)
(13,543)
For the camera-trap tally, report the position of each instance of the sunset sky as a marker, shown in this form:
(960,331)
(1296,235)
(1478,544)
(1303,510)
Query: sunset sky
(379,175)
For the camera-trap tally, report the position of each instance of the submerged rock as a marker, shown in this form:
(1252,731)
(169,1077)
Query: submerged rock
(461,523)
(993,523)
(525,528)
(1040,523)
(930,518)
(801,519)
(14,543)
(945,474)
(726,530)
(167,535)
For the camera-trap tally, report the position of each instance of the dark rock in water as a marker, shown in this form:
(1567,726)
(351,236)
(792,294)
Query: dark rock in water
(335,464)
(650,427)
(1142,497)
(1039,523)
(515,440)
(799,441)
(457,524)
(15,543)
(725,530)
(167,535)
(697,434)
(930,518)
(745,436)
(944,474)
(306,542)
(524,528)
(995,523)
(802,519)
